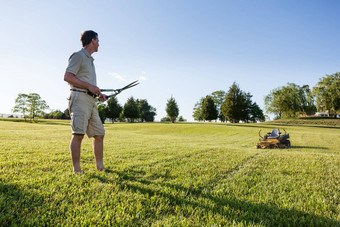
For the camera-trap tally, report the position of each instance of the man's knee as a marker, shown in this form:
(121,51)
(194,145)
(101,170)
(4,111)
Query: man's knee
(78,137)
(99,137)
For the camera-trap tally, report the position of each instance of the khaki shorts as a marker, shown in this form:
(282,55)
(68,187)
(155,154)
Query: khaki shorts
(84,115)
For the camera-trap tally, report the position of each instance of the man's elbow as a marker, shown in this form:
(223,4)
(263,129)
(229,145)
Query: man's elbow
(67,77)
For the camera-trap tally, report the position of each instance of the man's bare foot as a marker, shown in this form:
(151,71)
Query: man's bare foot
(101,168)
(79,172)
(100,165)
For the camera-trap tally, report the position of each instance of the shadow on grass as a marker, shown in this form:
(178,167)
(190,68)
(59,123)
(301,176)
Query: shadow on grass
(229,207)
(16,204)
(269,125)
(54,122)
(39,121)
(304,125)
(308,147)
(275,125)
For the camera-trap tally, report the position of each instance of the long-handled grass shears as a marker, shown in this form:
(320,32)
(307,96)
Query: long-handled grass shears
(117,91)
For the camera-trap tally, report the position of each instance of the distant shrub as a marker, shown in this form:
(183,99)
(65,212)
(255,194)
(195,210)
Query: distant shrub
(165,119)
(181,119)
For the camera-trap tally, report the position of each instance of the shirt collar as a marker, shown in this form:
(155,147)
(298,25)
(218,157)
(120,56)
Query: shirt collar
(87,54)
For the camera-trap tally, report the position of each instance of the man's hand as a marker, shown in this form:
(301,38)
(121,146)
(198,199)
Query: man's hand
(94,89)
(102,97)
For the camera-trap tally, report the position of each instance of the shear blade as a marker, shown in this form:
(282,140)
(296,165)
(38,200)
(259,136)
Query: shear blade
(117,91)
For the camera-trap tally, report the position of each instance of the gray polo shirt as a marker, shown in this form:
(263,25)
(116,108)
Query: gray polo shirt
(81,65)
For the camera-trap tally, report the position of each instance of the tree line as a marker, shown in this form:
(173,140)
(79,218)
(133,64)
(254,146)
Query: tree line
(293,100)
(134,110)
(233,106)
(288,101)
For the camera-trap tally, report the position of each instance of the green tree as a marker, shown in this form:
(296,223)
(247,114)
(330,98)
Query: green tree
(147,112)
(36,105)
(290,101)
(247,105)
(306,100)
(327,93)
(113,108)
(256,113)
(49,115)
(218,97)
(197,114)
(102,111)
(67,114)
(172,109)
(57,114)
(209,111)
(235,106)
(21,105)
(131,110)
(274,103)
(122,117)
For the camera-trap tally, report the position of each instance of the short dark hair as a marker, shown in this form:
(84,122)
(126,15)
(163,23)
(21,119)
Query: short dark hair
(87,36)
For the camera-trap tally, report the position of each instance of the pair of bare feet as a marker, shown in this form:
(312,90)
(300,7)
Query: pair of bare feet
(75,147)
(79,172)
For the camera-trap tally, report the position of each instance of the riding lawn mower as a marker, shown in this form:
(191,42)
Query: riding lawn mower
(273,139)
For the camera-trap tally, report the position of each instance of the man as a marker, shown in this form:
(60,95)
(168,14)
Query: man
(81,76)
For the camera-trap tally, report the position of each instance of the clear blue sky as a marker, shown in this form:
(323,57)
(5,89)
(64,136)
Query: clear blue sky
(187,49)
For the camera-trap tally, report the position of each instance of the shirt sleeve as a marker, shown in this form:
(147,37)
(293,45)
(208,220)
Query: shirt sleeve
(74,63)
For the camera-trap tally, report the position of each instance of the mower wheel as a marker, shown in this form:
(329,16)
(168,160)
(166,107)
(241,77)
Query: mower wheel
(287,143)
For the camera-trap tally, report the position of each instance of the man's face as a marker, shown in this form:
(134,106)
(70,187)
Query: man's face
(95,44)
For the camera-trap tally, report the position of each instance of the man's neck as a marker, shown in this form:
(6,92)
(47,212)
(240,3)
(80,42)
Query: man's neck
(89,49)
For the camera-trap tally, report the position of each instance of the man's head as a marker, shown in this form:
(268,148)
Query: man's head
(88,37)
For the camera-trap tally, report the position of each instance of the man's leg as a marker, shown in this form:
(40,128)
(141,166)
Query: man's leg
(75,151)
(98,147)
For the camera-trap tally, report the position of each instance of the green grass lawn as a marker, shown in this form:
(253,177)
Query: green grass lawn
(186,174)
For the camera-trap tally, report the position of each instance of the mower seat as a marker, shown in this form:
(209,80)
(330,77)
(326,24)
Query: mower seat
(274,134)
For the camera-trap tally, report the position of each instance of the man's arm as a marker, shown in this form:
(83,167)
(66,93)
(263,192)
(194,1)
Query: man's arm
(73,80)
